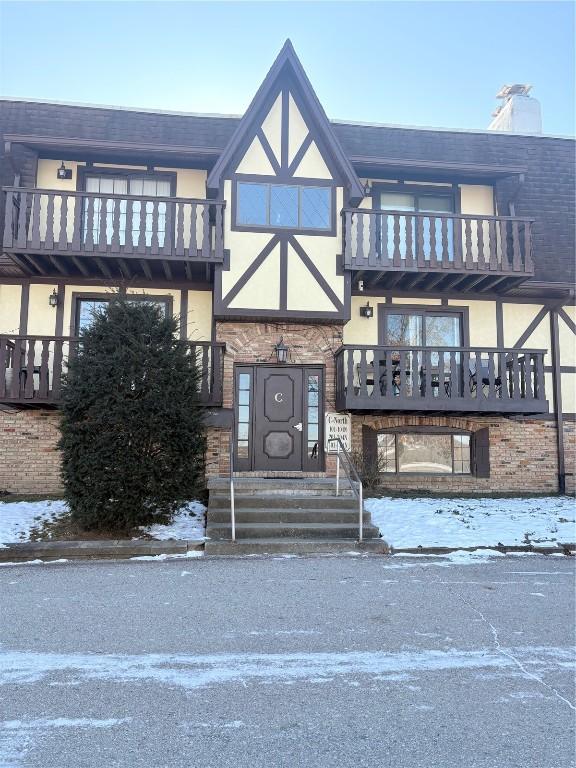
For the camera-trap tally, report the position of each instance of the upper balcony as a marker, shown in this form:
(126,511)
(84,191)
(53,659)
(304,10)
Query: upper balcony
(31,369)
(112,235)
(440,251)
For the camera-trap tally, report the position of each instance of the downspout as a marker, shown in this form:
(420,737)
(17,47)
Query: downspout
(557,386)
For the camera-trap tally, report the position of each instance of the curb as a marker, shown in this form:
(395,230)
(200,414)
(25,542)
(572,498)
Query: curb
(563,549)
(100,549)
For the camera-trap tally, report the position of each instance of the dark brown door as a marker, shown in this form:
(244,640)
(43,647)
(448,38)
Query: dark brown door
(278,419)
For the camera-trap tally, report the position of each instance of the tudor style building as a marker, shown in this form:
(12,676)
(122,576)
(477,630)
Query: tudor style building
(418,281)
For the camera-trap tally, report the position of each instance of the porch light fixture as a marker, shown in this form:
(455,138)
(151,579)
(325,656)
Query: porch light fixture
(63,173)
(53,299)
(367,188)
(367,310)
(281,351)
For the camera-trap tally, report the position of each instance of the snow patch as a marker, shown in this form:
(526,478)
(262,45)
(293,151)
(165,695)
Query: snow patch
(473,522)
(18,518)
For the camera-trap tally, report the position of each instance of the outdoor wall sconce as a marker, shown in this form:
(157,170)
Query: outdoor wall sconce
(281,351)
(367,188)
(367,310)
(53,299)
(63,173)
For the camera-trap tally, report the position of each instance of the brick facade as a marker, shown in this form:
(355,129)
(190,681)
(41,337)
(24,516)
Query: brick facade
(30,460)
(523,454)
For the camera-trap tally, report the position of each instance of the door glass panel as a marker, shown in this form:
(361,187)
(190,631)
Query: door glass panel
(313,400)
(396,201)
(440,203)
(243,415)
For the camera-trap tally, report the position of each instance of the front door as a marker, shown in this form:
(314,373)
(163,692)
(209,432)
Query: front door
(278,418)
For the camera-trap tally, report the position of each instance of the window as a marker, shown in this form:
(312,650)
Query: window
(143,225)
(283,205)
(424,453)
(312,421)
(86,307)
(428,201)
(422,328)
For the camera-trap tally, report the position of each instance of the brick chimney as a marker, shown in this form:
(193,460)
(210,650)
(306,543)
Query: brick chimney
(518,113)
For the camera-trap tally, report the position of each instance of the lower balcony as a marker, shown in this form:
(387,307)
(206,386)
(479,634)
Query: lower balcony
(31,369)
(451,379)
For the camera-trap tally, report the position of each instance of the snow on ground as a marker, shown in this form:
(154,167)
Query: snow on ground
(465,522)
(188,523)
(18,518)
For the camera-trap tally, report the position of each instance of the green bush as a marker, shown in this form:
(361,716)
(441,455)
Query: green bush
(132,433)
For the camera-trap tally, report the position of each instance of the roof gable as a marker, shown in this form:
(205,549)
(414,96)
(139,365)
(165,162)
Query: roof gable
(286,91)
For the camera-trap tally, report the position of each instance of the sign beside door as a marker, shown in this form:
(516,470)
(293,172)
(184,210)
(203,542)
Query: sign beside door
(337,425)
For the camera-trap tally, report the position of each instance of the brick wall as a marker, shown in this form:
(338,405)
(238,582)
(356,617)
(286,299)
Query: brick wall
(570,455)
(29,459)
(523,454)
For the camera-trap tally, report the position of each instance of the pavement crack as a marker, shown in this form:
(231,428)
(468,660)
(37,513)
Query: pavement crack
(509,655)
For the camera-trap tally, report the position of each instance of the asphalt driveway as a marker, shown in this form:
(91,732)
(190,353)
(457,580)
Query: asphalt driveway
(324,661)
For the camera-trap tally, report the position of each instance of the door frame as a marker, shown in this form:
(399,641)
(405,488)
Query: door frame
(308,465)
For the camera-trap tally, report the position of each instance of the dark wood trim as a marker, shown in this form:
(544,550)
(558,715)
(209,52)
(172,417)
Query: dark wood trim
(299,156)
(499,323)
(313,269)
(284,274)
(183,313)
(557,385)
(134,283)
(24,302)
(268,151)
(252,269)
(532,326)
(567,319)
(59,325)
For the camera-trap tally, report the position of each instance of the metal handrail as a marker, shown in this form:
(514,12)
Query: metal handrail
(232,500)
(350,471)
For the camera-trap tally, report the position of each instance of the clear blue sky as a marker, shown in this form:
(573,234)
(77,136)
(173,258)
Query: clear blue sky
(411,63)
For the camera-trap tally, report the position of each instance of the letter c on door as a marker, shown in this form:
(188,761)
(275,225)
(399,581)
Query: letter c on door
(278,397)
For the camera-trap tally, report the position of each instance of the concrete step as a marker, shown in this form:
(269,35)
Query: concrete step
(294,547)
(278,486)
(281,531)
(286,515)
(282,501)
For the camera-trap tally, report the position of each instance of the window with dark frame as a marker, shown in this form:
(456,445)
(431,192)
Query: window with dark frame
(422,327)
(143,225)
(86,307)
(430,200)
(283,206)
(426,453)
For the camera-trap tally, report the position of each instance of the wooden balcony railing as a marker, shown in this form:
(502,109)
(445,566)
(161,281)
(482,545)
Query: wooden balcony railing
(31,369)
(440,379)
(41,221)
(442,242)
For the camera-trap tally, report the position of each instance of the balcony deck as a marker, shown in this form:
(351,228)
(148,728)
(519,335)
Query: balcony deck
(31,369)
(100,234)
(400,250)
(451,379)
